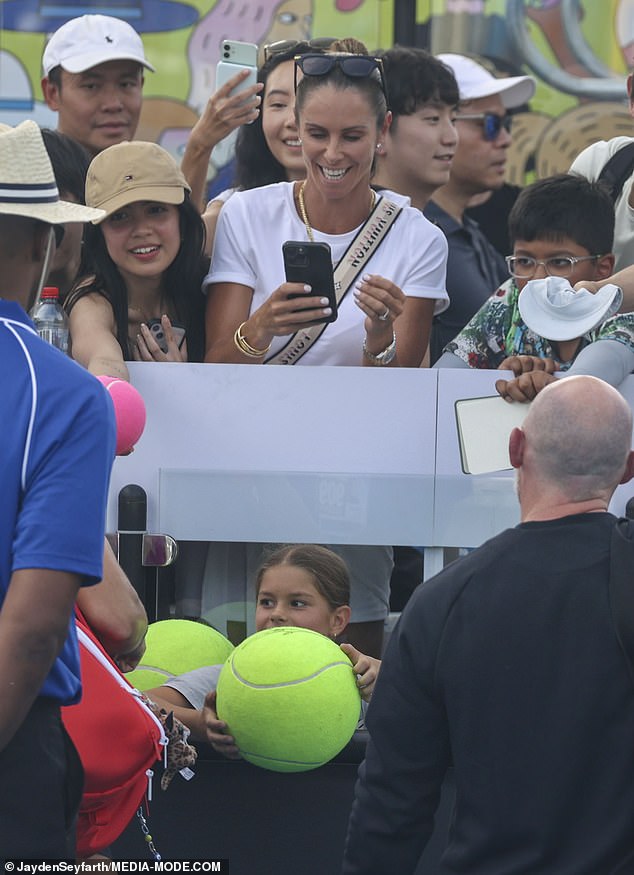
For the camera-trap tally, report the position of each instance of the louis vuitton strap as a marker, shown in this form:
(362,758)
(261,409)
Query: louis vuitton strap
(354,260)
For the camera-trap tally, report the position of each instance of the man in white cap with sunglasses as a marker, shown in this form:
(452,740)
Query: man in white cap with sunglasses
(57,445)
(93,77)
(474,268)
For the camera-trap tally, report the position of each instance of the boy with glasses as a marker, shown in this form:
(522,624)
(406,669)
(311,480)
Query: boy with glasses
(561,226)
(483,123)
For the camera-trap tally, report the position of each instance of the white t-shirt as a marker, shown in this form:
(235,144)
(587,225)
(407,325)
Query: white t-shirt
(254,224)
(590,163)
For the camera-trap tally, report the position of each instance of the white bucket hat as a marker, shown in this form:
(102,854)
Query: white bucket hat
(475,82)
(27,182)
(554,310)
(89,40)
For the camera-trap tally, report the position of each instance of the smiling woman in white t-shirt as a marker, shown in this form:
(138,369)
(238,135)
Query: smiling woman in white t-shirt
(385,316)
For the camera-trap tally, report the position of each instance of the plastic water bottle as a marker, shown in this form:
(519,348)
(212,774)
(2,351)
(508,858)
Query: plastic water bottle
(50,319)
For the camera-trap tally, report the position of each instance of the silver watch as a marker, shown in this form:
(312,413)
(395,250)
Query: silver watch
(381,358)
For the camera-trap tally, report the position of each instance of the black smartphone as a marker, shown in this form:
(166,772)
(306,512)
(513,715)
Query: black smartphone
(311,264)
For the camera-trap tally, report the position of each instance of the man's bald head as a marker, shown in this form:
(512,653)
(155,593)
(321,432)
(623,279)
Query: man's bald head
(578,437)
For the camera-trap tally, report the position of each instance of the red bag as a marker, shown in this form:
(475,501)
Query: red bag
(118,738)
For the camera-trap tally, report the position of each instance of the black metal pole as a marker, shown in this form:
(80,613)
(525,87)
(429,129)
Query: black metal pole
(132,526)
(405,22)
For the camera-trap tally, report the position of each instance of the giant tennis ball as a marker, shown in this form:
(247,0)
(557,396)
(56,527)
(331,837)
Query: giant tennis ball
(129,412)
(289,698)
(176,646)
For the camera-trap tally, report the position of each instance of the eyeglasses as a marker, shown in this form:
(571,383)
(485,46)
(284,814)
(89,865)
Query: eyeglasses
(355,66)
(524,267)
(288,45)
(492,124)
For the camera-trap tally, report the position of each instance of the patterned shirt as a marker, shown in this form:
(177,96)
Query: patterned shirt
(497,331)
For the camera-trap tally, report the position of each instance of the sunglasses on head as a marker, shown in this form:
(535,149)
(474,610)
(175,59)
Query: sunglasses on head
(492,124)
(354,66)
(288,45)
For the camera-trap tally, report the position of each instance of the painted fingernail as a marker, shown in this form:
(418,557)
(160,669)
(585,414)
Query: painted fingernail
(308,288)
(323,300)
(327,311)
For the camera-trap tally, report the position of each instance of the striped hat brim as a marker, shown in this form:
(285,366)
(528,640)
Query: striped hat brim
(27,182)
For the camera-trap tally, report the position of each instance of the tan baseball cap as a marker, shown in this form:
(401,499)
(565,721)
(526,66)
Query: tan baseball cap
(130,172)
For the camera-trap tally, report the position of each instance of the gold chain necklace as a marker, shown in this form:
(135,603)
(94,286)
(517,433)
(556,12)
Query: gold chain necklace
(304,214)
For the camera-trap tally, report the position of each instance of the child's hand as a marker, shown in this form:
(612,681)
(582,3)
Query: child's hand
(366,669)
(216,731)
(524,388)
(522,364)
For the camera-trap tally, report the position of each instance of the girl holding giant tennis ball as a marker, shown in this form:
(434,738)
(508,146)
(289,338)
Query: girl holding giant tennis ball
(302,587)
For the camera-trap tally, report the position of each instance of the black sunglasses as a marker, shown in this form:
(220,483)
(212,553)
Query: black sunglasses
(355,66)
(288,45)
(492,124)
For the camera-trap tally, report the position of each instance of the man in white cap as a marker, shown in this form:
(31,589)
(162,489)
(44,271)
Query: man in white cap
(93,77)
(474,268)
(513,666)
(57,445)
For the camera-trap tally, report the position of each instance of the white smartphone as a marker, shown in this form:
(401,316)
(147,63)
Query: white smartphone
(156,327)
(236,56)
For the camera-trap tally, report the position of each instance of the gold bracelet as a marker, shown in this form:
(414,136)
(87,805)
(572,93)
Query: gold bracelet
(245,347)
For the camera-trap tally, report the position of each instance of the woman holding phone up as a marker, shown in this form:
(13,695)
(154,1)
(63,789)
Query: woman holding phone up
(386,307)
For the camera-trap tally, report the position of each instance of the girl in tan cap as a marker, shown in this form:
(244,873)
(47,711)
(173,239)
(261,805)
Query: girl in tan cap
(142,301)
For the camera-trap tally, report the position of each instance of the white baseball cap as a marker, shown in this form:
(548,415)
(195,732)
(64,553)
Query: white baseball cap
(554,310)
(89,40)
(474,81)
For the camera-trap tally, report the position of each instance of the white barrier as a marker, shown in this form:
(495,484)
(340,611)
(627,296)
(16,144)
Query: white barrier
(330,455)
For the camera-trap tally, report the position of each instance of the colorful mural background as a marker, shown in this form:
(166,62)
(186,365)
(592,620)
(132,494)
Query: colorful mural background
(579,50)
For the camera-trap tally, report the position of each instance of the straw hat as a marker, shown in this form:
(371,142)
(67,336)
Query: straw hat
(27,182)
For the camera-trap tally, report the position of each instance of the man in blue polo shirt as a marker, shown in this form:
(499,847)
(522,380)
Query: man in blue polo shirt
(56,449)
